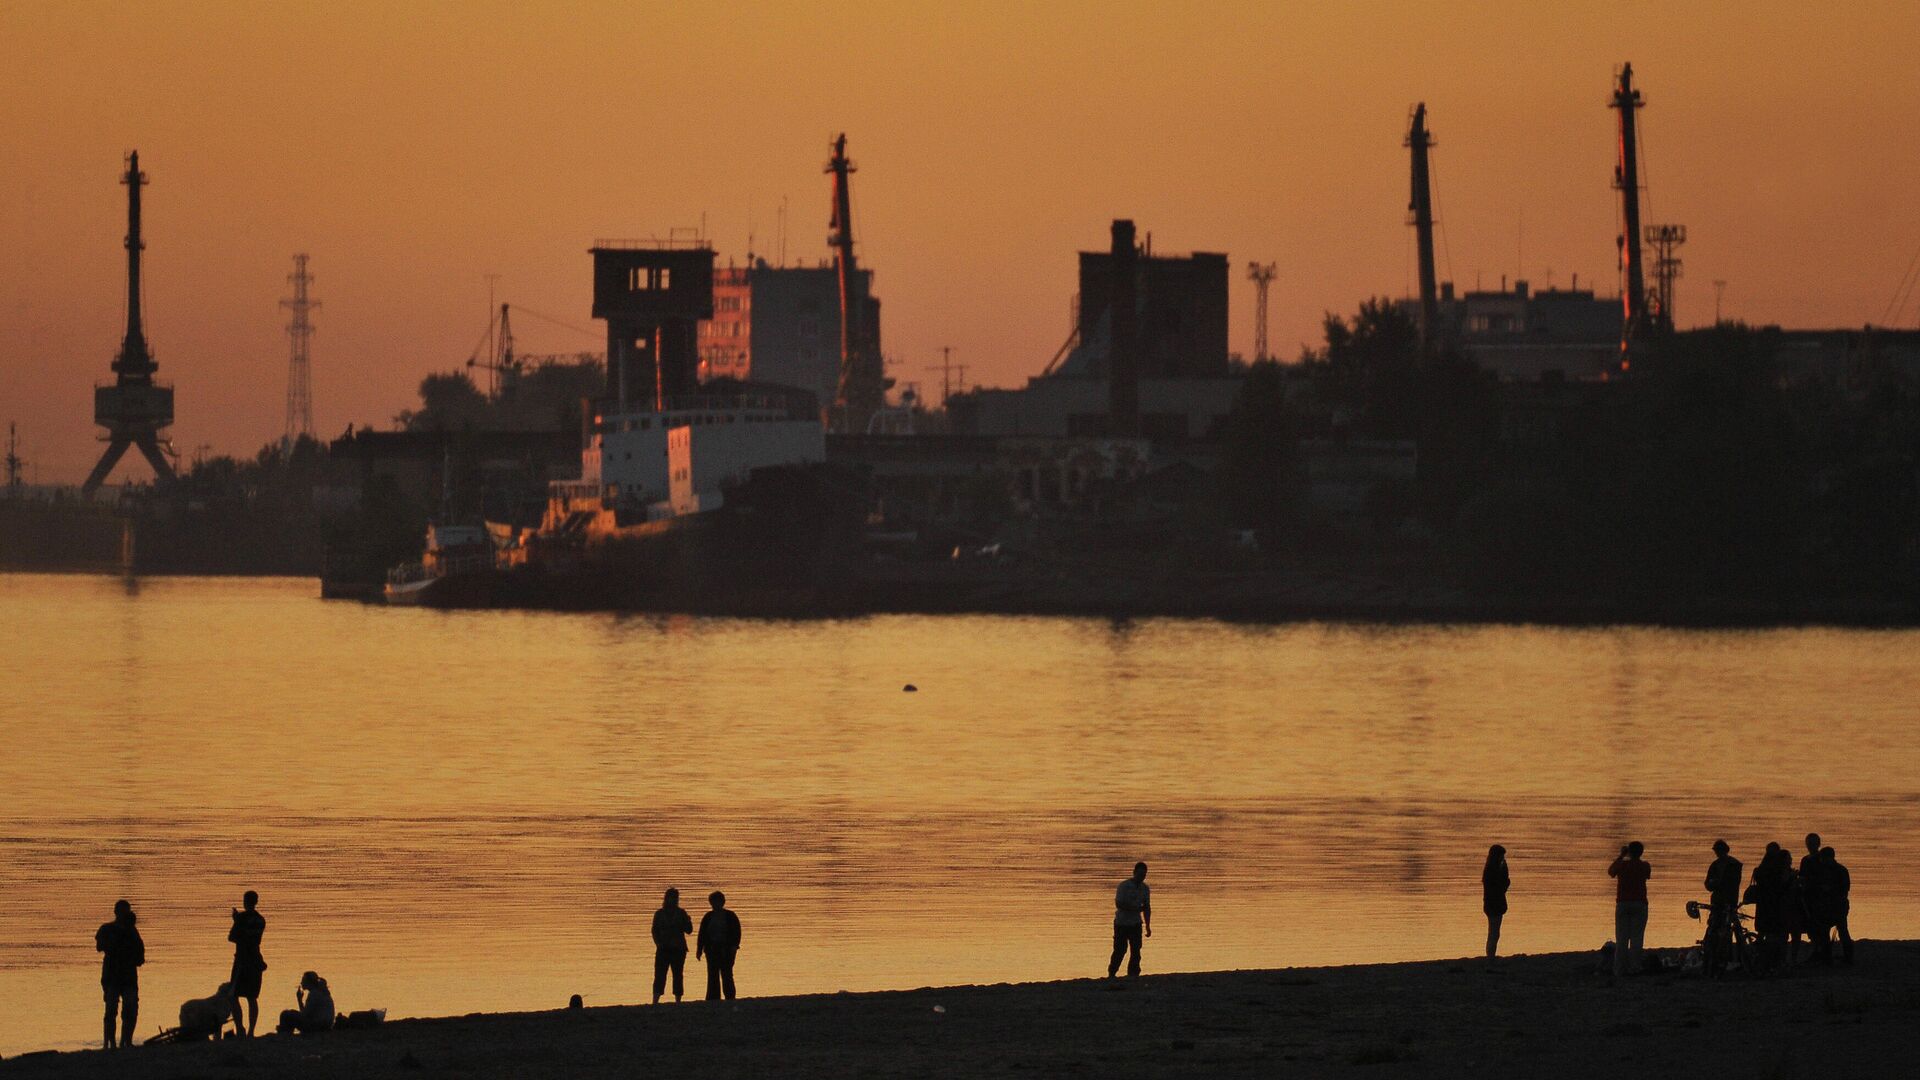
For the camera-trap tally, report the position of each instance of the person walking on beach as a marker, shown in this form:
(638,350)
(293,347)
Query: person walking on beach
(1132,917)
(121,954)
(719,942)
(1723,888)
(248,965)
(1630,874)
(671,925)
(1493,896)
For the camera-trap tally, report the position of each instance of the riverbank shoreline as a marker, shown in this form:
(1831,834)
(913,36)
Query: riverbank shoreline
(1545,1015)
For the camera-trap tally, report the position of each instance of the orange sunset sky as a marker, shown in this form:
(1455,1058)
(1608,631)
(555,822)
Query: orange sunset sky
(413,149)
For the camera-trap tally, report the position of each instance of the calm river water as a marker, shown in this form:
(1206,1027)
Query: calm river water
(449,813)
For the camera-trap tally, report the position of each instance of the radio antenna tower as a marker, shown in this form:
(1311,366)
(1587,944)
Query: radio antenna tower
(1261,274)
(299,334)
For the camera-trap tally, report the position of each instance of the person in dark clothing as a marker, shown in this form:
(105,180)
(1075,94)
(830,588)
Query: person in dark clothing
(719,942)
(1835,885)
(1723,887)
(1809,904)
(1132,918)
(1493,895)
(122,953)
(248,965)
(315,1013)
(671,925)
(1773,892)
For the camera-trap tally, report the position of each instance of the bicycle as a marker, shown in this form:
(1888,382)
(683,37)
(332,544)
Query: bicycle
(1729,943)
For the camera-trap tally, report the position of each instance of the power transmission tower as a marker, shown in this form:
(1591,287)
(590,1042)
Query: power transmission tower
(1261,274)
(299,333)
(948,369)
(1665,240)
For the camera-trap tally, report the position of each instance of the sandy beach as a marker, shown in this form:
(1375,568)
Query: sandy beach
(1548,1015)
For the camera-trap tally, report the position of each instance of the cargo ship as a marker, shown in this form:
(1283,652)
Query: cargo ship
(721,503)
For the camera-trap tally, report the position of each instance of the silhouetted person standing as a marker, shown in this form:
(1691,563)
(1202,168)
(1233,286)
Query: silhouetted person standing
(719,942)
(248,965)
(122,953)
(1493,895)
(1807,911)
(1630,876)
(1132,917)
(1836,885)
(1723,886)
(671,925)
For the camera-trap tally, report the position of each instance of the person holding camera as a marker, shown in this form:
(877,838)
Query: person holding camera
(1630,874)
(248,965)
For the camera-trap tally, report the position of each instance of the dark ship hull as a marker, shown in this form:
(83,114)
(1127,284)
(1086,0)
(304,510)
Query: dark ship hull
(39,535)
(783,543)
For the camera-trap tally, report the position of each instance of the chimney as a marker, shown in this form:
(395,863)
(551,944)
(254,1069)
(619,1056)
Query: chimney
(1123,337)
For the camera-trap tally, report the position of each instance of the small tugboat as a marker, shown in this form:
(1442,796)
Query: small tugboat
(456,571)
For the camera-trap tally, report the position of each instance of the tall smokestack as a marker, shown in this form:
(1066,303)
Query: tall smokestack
(1626,177)
(1123,344)
(1421,210)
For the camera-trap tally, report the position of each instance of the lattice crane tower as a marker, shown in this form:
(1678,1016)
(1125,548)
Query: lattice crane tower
(1261,274)
(299,336)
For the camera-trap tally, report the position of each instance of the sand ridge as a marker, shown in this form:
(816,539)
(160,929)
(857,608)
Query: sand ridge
(1549,1015)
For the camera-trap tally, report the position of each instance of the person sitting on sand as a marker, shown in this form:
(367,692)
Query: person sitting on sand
(1132,917)
(315,1013)
(1494,883)
(121,954)
(1630,874)
(671,925)
(719,942)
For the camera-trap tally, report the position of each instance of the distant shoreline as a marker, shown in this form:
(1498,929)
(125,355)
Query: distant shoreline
(1257,605)
(1545,1015)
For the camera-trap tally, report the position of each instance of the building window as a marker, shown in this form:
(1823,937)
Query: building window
(648,278)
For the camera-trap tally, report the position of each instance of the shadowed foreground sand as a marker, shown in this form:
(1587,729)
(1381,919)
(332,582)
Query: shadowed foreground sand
(1547,1016)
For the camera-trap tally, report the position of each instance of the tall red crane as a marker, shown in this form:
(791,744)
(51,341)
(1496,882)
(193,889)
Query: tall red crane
(863,386)
(1626,177)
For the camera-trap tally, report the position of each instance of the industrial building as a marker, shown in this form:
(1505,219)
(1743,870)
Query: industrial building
(780,324)
(1520,334)
(1147,357)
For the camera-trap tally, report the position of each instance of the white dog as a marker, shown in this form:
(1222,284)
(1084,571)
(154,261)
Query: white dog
(203,1018)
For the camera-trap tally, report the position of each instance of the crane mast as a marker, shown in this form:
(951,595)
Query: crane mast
(1626,177)
(1420,214)
(862,386)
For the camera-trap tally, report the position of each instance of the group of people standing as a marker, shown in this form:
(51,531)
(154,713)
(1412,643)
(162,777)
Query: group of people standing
(1812,901)
(718,942)
(123,952)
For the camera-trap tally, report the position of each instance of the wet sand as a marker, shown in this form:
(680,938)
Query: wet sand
(1546,1016)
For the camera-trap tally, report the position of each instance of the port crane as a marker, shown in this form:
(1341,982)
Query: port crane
(135,409)
(863,377)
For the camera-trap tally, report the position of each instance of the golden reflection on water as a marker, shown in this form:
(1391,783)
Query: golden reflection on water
(459,812)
